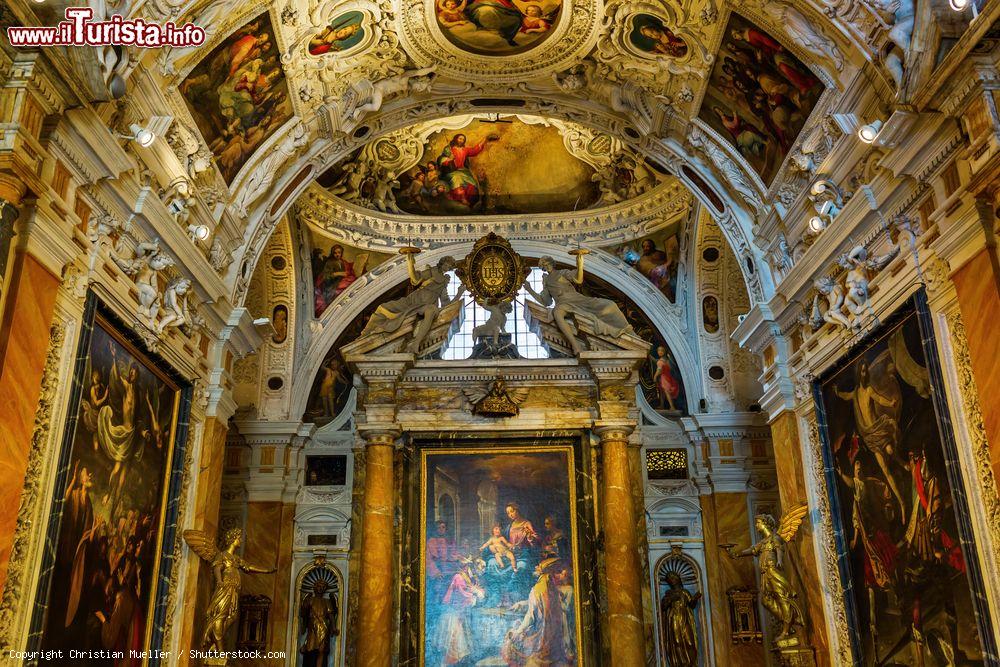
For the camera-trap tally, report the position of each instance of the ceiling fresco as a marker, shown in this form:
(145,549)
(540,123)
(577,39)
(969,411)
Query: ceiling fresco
(238,95)
(759,96)
(491,165)
(497,27)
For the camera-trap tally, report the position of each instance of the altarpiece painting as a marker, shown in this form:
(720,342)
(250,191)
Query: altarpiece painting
(112,508)
(907,552)
(499,581)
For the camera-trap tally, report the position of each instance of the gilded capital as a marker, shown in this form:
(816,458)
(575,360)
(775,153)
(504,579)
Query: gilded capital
(383,435)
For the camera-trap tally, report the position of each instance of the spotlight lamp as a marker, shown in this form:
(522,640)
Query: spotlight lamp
(816,224)
(959,5)
(198,232)
(868,133)
(140,135)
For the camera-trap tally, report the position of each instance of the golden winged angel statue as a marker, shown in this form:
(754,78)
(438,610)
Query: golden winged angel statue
(776,591)
(226,564)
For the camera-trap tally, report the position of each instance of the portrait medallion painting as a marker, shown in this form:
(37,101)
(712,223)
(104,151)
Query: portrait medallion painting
(106,554)
(650,35)
(499,579)
(497,27)
(759,96)
(279,322)
(335,267)
(502,167)
(238,95)
(341,34)
(901,509)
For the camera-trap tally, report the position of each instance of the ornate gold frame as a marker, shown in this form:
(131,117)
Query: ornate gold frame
(571,473)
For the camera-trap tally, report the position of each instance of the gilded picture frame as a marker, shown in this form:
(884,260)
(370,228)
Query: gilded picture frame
(903,531)
(120,501)
(497,606)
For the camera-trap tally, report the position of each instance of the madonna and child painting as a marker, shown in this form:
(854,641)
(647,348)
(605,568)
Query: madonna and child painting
(497,27)
(499,584)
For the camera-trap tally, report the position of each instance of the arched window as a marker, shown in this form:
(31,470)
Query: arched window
(529,345)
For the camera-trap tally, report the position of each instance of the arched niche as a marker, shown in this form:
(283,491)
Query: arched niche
(303,596)
(669,601)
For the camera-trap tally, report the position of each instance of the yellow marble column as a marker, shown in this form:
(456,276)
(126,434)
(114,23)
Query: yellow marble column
(621,546)
(375,593)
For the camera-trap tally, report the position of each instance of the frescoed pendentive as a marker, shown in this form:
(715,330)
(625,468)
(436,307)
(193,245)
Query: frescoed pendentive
(650,35)
(497,27)
(908,557)
(103,586)
(759,96)
(335,267)
(343,33)
(498,567)
(656,257)
(660,377)
(238,95)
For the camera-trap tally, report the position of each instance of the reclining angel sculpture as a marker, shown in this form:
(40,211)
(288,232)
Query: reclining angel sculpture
(560,286)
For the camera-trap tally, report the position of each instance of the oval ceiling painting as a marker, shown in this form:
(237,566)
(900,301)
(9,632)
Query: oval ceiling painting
(497,27)
(341,34)
(506,165)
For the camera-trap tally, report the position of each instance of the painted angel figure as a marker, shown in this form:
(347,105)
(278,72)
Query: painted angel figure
(451,13)
(776,593)
(226,564)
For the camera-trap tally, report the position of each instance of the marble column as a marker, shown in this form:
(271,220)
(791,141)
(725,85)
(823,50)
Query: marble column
(375,593)
(621,546)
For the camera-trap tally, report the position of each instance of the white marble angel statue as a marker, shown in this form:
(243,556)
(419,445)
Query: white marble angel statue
(371,95)
(833,293)
(560,286)
(146,262)
(860,267)
(223,607)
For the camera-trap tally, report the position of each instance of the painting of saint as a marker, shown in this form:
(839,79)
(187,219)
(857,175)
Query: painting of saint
(496,167)
(238,95)
(657,258)
(759,96)
(650,35)
(335,267)
(342,33)
(279,321)
(498,561)
(332,385)
(710,314)
(497,27)
(906,554)
(103,582)
(660,377)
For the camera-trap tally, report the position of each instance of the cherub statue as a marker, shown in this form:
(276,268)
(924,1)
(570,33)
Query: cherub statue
(175,308)
(383,198)
(560,286)
(373,94)
(432,288)
(147,260)
(495,323)
(834,312)
(776,592)
(856,300)
(348,186)
(226,564)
